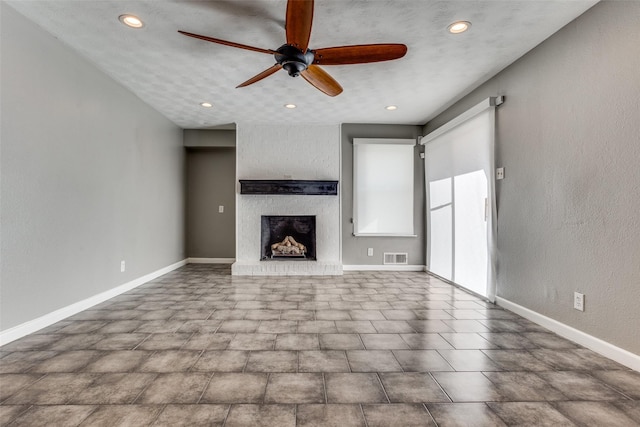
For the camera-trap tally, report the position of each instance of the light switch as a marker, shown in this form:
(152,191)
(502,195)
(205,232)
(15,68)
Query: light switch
(578,301)
(220,209)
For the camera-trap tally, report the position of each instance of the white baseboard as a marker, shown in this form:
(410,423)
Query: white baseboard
(211,260)
(604,348)
(35,325)
(383,267)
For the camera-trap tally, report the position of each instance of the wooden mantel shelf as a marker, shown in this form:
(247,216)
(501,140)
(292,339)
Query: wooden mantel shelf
(289,186)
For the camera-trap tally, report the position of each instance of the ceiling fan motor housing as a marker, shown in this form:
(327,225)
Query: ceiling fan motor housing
(293,59)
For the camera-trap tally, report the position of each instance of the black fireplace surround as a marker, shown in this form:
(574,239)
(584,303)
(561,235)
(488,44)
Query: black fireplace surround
(296,233)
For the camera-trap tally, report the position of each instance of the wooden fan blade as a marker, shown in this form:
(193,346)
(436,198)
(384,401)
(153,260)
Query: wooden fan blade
(359,54)
(321,80)
(227,43)
(262,75)
(298,23)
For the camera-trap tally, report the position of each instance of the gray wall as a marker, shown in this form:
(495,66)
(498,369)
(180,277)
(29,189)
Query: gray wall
(209,138)
(354,249)
(90,176)
(568,136)
(211,176)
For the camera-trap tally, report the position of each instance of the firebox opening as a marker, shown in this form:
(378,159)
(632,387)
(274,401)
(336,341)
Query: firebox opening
(288,238)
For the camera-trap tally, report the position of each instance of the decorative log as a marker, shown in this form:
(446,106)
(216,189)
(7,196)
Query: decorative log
(289,246)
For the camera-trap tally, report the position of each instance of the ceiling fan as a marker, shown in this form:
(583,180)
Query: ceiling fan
(298,60)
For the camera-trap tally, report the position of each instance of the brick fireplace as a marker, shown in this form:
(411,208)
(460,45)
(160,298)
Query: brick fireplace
(277,152)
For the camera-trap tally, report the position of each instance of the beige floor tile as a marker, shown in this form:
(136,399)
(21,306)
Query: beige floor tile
(122,415)
(330,415)
(340,342)
(373,361)
(595,413)
(170,361)
(297,342)
(193,415)
(397,414)
(53,389)
(261,415)
(272,361)
(12,383)
(295,388)
(464,414)
(221,361)
(198,346)
(113,388)
(530,413)
(580,386)
(9,413)
(323,361)
(354,388)
(53,415)
(421,361)
(412,387)
(628,382)
(252,342)
(383,342)
(235,388)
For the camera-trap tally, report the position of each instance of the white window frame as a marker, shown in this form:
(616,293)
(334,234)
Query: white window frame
(357,177)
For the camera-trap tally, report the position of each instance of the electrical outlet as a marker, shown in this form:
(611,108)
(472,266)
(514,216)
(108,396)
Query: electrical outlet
(370,252)
(578,301)
(122,266)
(500,173)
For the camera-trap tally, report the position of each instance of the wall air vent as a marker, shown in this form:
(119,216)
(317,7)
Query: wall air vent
(394,258)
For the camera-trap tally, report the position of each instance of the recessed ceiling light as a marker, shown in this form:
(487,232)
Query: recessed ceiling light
(131,21)
(206,104)
(459,27)
(290,106)
(391,107)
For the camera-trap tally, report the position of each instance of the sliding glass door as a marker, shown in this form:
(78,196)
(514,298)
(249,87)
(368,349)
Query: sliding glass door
(460,215)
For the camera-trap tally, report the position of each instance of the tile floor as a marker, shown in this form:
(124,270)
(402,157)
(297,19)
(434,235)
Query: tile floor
(200,347)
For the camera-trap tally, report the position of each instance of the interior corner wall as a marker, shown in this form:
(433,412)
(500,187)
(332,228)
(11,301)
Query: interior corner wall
(90,176)
(354,249)
(568,136)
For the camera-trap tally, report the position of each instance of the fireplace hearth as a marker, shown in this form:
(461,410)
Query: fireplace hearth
(288,238)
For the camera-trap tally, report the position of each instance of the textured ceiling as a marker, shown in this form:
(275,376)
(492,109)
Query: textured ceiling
(174,73)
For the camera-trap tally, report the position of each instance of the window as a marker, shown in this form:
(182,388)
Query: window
(383,181)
